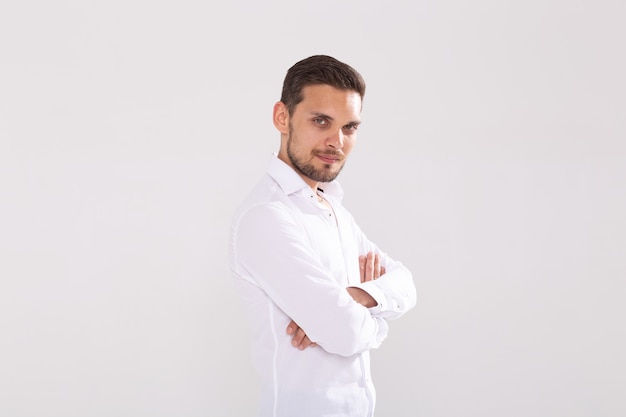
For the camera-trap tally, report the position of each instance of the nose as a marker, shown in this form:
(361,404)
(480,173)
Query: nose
(335,140)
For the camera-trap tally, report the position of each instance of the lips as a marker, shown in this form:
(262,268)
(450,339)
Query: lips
(329,158)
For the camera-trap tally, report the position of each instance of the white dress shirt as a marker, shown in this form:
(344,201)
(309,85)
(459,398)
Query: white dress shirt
(292,258)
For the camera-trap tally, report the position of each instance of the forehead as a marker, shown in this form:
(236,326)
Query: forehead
(339,104)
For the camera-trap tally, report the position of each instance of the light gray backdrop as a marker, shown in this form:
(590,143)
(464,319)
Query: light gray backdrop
(491,161)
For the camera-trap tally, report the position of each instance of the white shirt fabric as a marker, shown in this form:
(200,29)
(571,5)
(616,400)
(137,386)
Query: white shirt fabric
(292,258)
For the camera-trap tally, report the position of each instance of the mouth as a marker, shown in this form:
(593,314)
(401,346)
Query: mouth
(328,159)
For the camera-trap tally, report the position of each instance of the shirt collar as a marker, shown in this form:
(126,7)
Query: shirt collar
(290,182)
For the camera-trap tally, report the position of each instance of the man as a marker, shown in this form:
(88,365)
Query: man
(317,292)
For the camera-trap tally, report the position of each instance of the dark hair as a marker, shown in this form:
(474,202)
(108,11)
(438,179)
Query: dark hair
(316,70)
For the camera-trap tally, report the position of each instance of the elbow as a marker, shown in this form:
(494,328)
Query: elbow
(407,302)
(411,298)
(347,348)
(408,298)
(358,339)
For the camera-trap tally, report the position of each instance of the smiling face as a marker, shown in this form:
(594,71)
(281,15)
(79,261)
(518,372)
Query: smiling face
(318,137)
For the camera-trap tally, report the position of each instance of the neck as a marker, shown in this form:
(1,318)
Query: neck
(311,183)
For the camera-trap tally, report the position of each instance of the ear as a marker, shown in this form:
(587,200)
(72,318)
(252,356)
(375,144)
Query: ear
(281,117)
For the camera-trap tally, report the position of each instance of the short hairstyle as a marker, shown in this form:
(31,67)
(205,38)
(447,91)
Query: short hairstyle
(319,70)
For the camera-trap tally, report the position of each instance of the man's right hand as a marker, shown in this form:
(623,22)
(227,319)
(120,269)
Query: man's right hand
(299,339)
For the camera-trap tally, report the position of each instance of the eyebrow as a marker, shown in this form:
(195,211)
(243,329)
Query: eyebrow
(327,117)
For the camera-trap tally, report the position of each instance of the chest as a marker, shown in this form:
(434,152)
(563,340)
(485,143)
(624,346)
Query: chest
(332,239)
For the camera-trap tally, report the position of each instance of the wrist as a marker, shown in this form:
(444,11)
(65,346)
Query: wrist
(362,297)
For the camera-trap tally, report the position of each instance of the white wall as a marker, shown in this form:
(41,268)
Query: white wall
(491,161)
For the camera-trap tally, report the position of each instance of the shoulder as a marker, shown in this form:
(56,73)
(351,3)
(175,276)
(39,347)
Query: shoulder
(265,205)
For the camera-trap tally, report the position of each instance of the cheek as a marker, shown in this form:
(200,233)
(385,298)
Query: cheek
(348,144)
(308,137)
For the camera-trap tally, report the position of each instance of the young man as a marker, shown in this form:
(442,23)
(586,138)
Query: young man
(317,292)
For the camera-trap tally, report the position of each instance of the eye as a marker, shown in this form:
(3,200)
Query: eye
(351,127)
(320,121)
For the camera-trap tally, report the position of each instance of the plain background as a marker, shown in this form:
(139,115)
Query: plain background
(491,161)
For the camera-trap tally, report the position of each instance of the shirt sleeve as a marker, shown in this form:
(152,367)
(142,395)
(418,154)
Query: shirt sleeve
(394,291)
(273,251)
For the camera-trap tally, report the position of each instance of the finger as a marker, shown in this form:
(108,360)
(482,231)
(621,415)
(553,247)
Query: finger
(377,266)
(306,342)
(369,267)
(292,327)
(362,259)
(382,271)
(298,337)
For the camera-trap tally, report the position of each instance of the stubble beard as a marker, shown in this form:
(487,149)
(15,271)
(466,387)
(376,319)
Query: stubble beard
(307,168)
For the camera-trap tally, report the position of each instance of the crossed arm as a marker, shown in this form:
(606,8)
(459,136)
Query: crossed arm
(370,269)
